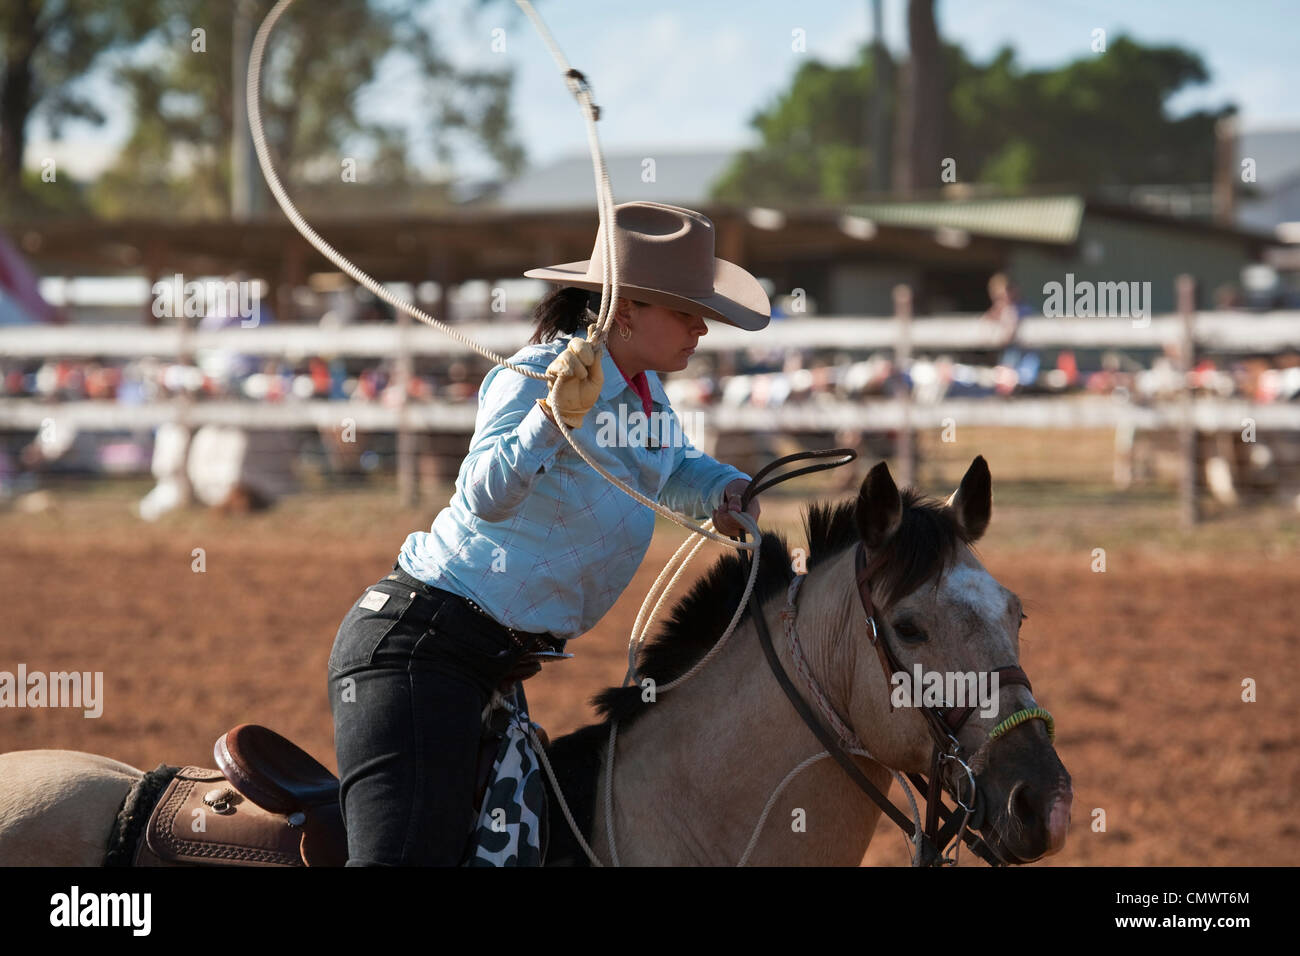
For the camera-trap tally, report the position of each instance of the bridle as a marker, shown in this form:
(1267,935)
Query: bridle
(942,824)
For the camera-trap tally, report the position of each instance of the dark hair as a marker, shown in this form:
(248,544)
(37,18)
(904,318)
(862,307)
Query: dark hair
(562,310)
(565,310)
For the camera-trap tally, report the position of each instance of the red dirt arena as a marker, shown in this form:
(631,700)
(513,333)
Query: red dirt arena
(1142,665)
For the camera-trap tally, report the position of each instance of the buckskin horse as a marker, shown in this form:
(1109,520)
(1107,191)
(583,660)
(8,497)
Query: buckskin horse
(892,582)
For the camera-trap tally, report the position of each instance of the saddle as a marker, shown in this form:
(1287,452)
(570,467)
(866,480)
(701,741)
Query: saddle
(270,803)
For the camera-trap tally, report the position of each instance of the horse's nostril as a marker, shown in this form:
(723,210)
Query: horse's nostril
(1058,820)
(1021,806)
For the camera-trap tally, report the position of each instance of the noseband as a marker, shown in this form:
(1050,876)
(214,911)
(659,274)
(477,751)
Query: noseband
(944,724)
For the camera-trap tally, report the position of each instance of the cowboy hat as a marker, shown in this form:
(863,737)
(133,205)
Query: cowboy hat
(665,257)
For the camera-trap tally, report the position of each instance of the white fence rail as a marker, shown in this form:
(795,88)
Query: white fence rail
(1182,335)
(1218,331)
(1207,415)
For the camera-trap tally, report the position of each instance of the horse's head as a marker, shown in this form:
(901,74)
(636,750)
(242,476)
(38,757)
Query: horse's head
(948,621)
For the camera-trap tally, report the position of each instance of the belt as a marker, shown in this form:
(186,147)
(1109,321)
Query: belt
(526,641)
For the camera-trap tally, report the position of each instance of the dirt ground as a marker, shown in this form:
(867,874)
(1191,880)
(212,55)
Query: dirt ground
(1142,665)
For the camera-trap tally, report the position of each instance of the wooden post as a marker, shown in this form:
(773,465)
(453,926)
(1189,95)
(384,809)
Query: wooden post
(407,479)
(290,274)
(184,404)
(902,364)
(1125,437)
(152,262)
(731,239)
(440,268)
(1188,507)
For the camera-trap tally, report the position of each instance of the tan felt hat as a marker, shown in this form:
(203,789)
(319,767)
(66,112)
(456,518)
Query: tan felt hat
(665,257)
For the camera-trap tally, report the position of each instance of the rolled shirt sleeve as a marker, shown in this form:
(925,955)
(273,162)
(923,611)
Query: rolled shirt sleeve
(695,486)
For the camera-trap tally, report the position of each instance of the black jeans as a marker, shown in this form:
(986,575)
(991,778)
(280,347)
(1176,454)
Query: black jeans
(411,671)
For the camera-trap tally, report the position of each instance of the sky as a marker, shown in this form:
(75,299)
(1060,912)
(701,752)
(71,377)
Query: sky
(690,74)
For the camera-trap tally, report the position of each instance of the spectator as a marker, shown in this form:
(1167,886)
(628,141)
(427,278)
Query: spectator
(1018,366)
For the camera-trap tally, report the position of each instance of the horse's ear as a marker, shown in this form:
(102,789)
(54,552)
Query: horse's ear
(879,509)
(972,502)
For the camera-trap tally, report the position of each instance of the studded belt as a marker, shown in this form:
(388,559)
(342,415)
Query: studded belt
(526,641)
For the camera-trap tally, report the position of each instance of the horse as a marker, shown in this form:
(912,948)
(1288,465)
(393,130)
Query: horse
(697,768)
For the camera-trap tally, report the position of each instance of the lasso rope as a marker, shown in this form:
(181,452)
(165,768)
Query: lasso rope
(605,202)
(842,730)
(581,90)
(848,738)
(808,762)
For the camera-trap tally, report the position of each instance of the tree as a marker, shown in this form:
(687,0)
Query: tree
(177,158)
(921,127)
(881,98)
(815,138)
(47,45)
(1100,120)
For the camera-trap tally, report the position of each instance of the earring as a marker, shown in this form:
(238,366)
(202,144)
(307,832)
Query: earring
(624,332)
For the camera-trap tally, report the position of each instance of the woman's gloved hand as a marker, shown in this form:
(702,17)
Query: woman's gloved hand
(580,377)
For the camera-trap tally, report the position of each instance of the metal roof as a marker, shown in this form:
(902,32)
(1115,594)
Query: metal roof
(680,178)
(1053,219)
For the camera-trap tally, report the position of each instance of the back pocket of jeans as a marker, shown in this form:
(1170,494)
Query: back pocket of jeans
(380,608)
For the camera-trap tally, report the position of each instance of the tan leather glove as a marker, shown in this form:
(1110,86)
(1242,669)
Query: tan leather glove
(580,377)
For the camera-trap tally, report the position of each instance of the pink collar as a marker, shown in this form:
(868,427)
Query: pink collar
(638,384)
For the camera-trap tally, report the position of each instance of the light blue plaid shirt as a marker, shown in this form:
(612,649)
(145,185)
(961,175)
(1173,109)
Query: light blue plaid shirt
(533,534)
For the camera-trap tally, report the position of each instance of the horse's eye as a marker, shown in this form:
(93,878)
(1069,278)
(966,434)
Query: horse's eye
(909,632)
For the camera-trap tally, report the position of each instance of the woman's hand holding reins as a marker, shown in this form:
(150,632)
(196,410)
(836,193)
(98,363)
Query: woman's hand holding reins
(722,519)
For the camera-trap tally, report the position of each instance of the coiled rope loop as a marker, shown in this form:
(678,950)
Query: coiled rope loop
(581,89)
(582,92)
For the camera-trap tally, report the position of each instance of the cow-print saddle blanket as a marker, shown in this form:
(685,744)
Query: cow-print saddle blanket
(512,825)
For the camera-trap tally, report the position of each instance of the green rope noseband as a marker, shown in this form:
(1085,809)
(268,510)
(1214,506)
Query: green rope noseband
(1020,716)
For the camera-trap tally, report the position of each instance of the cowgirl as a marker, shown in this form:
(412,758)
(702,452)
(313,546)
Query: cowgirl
(535,546)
